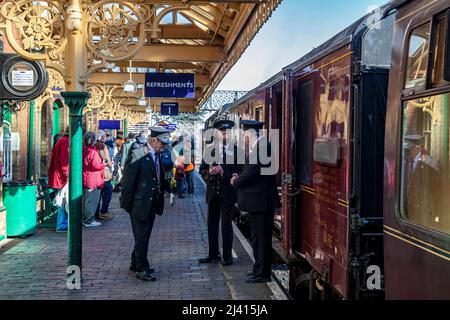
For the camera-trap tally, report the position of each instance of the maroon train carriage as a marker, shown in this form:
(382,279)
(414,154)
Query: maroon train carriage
(417,167)
(329,230)
(334,179)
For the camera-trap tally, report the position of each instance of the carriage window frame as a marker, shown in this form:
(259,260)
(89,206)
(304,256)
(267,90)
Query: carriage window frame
(409,92)
(408,95)
(403,214)
(425,85)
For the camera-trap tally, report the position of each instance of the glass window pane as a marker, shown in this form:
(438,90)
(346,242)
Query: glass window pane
(182,19)
(425,161)
(377,43)
(439,53)
(419,45)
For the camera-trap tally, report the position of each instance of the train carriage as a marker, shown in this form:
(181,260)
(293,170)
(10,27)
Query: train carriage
(416,173)
(332,188)
(354,223)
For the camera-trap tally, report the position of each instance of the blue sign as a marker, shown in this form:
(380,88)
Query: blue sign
(109,124)
(171,127)
(169,108)
(169,85)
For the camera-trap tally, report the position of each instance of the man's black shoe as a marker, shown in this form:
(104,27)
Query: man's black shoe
(145,276)
(258,280)
(250,274)
(228,262)
(209,259)
(134,269)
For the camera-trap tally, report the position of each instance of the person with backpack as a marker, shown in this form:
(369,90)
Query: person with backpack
(168,165)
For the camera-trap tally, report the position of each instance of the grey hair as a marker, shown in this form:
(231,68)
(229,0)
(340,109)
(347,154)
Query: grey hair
(89,138)
(100,134)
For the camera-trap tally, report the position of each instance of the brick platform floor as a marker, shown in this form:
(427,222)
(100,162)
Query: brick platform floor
(35,267)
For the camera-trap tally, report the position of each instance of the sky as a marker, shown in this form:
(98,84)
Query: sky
(295,28)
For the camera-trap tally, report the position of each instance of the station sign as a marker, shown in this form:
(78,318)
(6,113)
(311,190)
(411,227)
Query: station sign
(109,124)
(169,85)
(21,79)
(169,108)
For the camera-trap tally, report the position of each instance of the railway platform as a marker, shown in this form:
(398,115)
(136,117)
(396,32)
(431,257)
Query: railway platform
(35,267)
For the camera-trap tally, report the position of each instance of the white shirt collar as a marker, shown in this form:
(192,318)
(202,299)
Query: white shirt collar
(416,159)
(152,151)
(256,142)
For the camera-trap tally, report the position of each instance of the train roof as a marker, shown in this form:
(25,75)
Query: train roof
(342,38)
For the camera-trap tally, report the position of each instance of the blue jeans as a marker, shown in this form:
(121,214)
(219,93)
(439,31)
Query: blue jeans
(180,187)
(107,192)
(62,219)
(190,182)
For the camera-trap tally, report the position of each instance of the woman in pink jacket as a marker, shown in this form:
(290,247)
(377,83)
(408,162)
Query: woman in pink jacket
(93,179)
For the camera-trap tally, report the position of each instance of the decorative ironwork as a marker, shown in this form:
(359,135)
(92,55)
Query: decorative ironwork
(115,29)
(35,29)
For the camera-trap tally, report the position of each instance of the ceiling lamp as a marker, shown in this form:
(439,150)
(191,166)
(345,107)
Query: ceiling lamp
(142,101)
(129,86)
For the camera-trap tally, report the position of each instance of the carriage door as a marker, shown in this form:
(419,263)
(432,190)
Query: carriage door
(303,130)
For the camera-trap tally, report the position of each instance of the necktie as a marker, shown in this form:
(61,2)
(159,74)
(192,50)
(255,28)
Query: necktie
(224,154)
(157,166)
(410,169)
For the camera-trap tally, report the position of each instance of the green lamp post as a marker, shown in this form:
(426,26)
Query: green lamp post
(76,101)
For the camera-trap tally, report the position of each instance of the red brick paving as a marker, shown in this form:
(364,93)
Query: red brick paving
(35,268)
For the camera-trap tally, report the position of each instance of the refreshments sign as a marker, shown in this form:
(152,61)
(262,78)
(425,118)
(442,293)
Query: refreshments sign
(169,85)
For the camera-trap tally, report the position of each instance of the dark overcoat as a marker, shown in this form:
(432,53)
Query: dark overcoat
(141,194)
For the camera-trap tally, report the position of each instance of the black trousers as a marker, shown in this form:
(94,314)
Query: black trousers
(141,231)
(219,211)
(261,240)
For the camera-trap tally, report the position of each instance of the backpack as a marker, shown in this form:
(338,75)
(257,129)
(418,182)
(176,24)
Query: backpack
(166,160)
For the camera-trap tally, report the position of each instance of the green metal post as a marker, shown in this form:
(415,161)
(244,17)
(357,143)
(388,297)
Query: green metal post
(125,128)
(30,141)
(76,101)
(56,119)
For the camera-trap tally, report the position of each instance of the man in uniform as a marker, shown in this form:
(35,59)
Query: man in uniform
(422,174)
(258,195)
(143,186)
(220,195)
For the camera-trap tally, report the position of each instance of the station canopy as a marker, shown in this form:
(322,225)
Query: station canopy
(126,39)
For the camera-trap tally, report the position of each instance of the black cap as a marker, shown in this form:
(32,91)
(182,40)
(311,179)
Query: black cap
(252,124)
(161,134)
(224,124)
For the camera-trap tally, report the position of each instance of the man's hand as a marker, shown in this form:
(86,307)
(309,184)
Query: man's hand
(233,178)
(219,170)
(214,170)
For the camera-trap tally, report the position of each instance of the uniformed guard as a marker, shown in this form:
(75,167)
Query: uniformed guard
(258,195)
(220,195)
(143,186)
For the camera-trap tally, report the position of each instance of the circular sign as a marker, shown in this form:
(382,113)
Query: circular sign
(23,79)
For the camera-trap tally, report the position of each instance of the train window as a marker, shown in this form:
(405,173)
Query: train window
(425,162)
(438,77)
(419,45)
(304,132)
(259,114)
(377,43)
